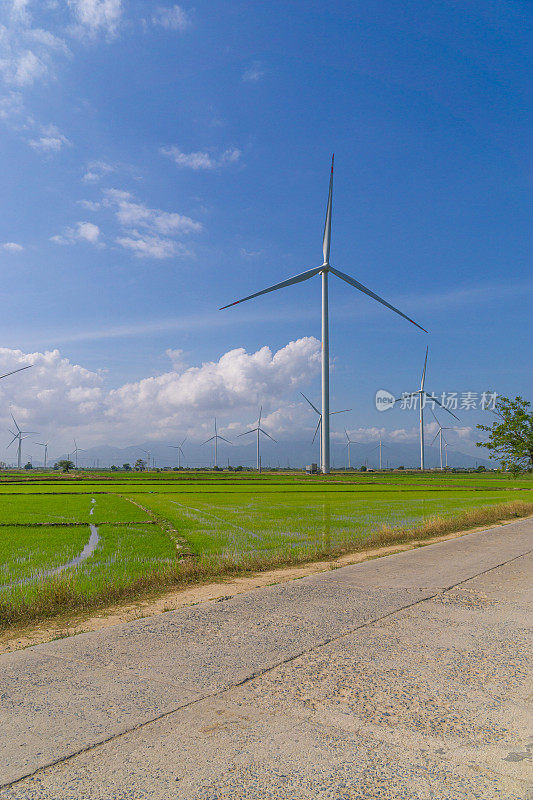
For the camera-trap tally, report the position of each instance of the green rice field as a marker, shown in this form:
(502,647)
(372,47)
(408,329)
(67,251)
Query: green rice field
(69,542)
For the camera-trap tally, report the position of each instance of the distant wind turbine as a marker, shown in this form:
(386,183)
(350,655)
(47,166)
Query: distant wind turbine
(76,451)
(324,269)
(348,448)
(18,435)
(319,423)
(422,397)
(178,447)
(148,453)
(439,434)
(381,446)
(45,445)
(216,437)
(259,430)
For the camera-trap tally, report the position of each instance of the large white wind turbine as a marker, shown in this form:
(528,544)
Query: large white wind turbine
(324,269)
(18,435)
(423,396)
(179,447)
(259,430)
(216,437)
(319,423)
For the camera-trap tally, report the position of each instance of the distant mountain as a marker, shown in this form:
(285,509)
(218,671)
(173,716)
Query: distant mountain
(293,454)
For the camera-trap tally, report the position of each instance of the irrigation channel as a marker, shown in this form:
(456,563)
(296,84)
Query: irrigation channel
(87,551)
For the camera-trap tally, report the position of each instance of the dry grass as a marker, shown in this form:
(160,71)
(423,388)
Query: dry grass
(58,596)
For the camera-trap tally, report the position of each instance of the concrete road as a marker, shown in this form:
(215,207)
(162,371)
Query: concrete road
(403,677)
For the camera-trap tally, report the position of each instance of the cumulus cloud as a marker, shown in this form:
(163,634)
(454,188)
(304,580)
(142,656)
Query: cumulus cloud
(173,18)
(50,141)
(59,399)
(201,159)
(11,247)
(83,232)
(97,16)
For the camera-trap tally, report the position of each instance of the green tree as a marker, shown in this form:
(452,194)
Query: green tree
(510,438)
(29,465)
(65,464)
(126,467)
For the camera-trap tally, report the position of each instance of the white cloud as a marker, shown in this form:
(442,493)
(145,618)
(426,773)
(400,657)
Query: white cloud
(147,246)
(83,232)
(96,170)
(173,18)
(158,226)
(254,73)
(50,141)
(60,399)
(90,205)
(201,159)
(11,247)
(97,16)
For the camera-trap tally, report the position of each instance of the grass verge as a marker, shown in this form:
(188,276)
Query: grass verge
(61,595)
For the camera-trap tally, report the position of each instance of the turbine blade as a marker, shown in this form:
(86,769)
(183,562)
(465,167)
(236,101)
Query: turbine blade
(344,410)
(12,440)
(326,241)
(436,435)
(267,434)
(422,382)
(207,441)
(15,421)
(225,440)
(316,429)
(364,289)
(183,442)
(310,403)
(260,414)
(303,276)
(15,370)
(430,397)
(407,395)
(245,433)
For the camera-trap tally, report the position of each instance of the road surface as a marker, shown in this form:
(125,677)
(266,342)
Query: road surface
(403,677)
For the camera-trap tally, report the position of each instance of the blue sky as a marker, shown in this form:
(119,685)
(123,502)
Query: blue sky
(160,161)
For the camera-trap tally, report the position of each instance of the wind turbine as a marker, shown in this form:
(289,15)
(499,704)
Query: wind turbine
(348,448)
(148,453)
(259,430)
(319,423)
(45,445)
(20,435)
(15,370)
(422,396)
(381,446)
(216,437)
(324,269)
(441,437)
(178,447)
(76,451)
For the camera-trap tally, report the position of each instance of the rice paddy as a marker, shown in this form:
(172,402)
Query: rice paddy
(150,531)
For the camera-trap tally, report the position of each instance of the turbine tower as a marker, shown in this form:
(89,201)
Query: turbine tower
(216,437)
(178,447)
(324,269)
(45,445)
(319,423)
(259,430)
(423,396)
(18,435)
